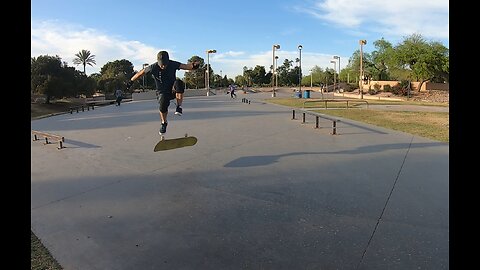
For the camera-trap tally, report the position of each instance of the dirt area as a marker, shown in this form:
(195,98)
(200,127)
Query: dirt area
(432,96)
(424,96)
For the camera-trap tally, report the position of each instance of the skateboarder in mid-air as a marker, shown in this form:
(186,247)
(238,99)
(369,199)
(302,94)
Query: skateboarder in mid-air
(164,73)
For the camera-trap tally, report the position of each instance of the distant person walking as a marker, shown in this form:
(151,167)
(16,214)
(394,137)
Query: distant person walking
(232,91)
(118,97)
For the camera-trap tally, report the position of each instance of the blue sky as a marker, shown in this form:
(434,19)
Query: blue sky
(242,32)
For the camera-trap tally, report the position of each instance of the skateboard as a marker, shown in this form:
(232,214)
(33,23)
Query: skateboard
(167,144)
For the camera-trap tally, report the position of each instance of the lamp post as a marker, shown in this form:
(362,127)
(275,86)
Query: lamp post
(334,71)
(275,47)
(143,67)
(276,73)
(207,71)
(221,79)
(300,71)
(361,42)
(338,57)
(311,78)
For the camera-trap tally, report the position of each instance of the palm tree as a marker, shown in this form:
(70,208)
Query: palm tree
(84,57)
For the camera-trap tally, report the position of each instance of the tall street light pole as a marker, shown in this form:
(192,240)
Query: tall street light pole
(338,57)
(311,78)
(275,47)
(300,70)
(144,66)
(276,73)
(334,71)
(221,79)
(208,70)
(361,42)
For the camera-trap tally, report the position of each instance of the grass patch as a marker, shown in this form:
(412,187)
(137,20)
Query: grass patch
(298,103)
(432,125)
(41,259)
(58,106)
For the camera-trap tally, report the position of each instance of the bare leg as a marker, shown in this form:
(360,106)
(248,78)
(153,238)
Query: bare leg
(163,116)
(179,97)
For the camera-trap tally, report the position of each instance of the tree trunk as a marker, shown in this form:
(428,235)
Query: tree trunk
(421,83)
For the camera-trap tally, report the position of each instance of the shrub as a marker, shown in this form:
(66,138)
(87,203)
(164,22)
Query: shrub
(350,87)
(399,90)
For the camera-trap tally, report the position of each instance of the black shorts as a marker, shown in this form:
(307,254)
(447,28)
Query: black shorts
(178,86)
(164,101)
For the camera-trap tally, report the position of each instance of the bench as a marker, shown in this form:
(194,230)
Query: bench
(55,137)
(100,102)
(81,107)
(336,100)
(317,122)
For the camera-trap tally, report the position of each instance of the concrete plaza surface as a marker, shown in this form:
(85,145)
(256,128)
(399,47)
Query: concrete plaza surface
(258,191)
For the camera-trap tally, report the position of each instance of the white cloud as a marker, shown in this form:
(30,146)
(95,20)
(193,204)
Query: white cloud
(393,17)
(65,40)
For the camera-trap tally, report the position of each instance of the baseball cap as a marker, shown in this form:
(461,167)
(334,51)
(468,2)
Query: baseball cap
(162,58)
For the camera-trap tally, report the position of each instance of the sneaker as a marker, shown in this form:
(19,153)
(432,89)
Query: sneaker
(163,129)
(178,111)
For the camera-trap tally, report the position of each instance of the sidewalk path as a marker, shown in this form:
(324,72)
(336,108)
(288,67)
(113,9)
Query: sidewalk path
(258,191)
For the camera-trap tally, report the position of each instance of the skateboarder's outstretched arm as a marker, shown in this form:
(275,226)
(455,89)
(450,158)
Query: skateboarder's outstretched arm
(190,66)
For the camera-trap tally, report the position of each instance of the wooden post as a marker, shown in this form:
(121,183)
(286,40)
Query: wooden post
(334,128)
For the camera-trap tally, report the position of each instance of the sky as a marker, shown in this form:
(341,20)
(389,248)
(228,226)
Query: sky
(242,32)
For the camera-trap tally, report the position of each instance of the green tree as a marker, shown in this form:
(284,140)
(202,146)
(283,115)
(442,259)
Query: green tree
(259,76)
(422,61)
(84,57)
(45,76)
(52,78)
(287,74)
(316,77)
(247,75)
(240,80)
(196,78)
(382,58)
(115,74)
